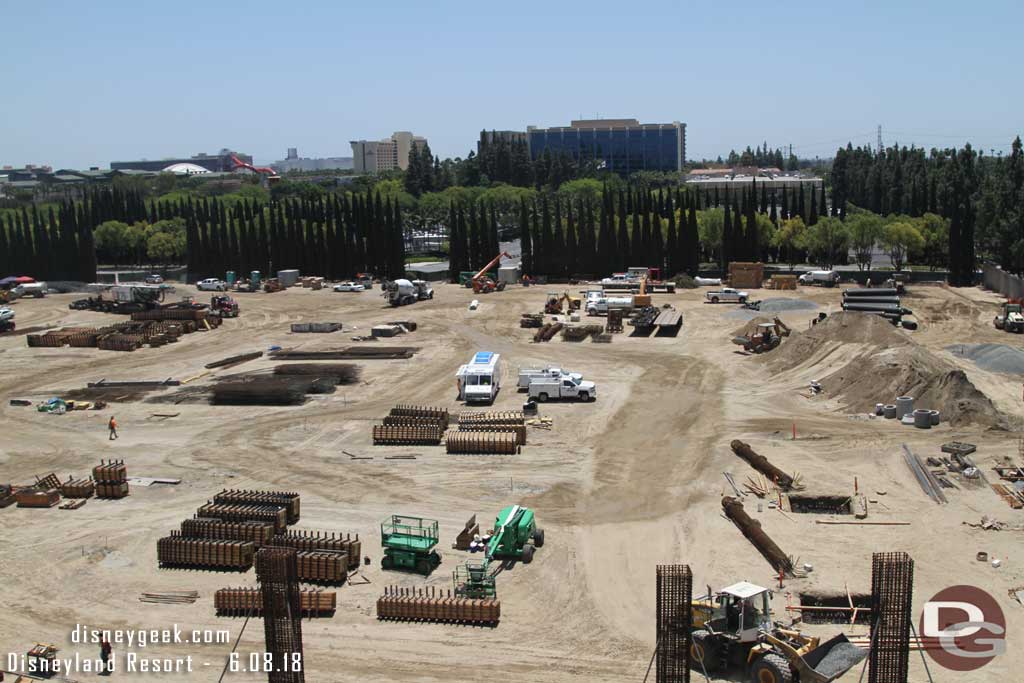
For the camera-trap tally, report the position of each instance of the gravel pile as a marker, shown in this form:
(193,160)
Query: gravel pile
(1000,358)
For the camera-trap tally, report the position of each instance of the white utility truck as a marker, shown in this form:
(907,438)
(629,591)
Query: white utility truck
(480,379)
(529,375)
(822,278)
(543,388)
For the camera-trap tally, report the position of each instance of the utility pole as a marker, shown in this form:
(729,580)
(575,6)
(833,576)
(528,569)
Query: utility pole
(879,139)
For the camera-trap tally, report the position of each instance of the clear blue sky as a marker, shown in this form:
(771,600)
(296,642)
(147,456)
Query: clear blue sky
(86,83)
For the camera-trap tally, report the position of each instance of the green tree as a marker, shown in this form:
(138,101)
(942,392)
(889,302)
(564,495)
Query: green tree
(826,241)
(788,238)
(865,230)
(899,237)
(935,231)
(111,241)
(710,225)
(165,248)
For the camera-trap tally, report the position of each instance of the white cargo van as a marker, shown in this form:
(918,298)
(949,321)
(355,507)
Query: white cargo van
(480,379)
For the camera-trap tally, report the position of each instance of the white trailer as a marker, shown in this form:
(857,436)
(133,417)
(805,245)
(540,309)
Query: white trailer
(528,375)
(479,380)
(544,388)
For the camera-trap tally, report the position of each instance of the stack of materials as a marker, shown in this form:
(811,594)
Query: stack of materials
(431,605)
(245,602)
(316,540)
(35,497)
(513,422)
(547,332)
(580,332)
(257,533)
(111,479)
(7,497)
(350,353)
(481,442)
(323,567)
(529,320)
(288,500)
(269,391)
(745,275)
(340,373)
(178,551)
(782,282)
(904,411)
(78,488)
(411,425)
(311,282)
(316,327)
(883,301)
(270,514)
(154,328)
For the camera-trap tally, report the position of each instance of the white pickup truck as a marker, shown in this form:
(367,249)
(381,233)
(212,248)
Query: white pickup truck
(529,375)
(565,387)
(727,294)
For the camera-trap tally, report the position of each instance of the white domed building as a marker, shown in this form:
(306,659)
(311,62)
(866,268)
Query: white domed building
(186,169)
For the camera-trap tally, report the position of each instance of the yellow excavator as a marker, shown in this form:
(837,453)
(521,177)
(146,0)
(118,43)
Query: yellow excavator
(554,301)
(733,628)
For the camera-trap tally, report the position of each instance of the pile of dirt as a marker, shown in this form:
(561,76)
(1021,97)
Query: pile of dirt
(999,358)
(751,327)
(889,364)
(845,327)
(779,304)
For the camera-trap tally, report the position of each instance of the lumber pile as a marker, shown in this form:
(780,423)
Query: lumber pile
(746,275)
(782,282)
(468,534)
(170,597)
(245,602)
(177,551)
(430,605)
(320,540)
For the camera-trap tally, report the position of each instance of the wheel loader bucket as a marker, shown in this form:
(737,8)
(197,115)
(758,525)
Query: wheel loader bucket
(830,660)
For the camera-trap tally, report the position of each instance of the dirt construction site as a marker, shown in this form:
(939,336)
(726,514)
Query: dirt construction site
(620,484)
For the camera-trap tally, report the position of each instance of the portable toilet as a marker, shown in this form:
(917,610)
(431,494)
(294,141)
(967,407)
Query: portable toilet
(229,277)
(254,278)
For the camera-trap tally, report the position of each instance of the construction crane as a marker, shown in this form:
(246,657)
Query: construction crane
(483,284)
(263,170)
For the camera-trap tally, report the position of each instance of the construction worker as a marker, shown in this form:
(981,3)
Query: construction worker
(112,426)
(105,649)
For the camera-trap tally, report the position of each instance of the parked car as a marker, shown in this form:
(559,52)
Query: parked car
(349,287)
(154,279)
(727,294)
(212,284)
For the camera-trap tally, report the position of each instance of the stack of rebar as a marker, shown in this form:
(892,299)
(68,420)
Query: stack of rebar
(547,332)
(350,353)
(511,421)
(243,602)
(283,391)
(340,373)
(580,332)
(257,533)
(751,528)
(480,442)
(78,488)
(762,465)
(282,613)
(287,499)
(321,566)
(407,435)
(111,479)
(431,605)
(178,551)
(317,540)
(271,514)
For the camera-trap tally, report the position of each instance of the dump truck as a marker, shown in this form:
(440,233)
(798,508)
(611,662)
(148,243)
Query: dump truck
(409,543)
(514,529)
(733,629)
(1010,318)
(543,388)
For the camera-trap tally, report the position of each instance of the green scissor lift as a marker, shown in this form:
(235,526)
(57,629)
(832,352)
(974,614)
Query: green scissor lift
(409,543)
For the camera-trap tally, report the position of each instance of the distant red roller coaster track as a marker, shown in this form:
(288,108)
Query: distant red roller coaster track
(255,169)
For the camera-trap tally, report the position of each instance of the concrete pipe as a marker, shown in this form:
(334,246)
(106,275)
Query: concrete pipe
(889,411)
(904,405)
(923,419)
(934,416)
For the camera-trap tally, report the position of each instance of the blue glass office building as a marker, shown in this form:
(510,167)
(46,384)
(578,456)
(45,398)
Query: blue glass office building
(624,145)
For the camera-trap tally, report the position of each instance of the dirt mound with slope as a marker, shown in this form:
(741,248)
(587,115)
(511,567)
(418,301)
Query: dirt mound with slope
(888,363)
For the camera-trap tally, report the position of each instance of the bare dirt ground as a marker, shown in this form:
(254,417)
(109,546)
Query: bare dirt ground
(620,485)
